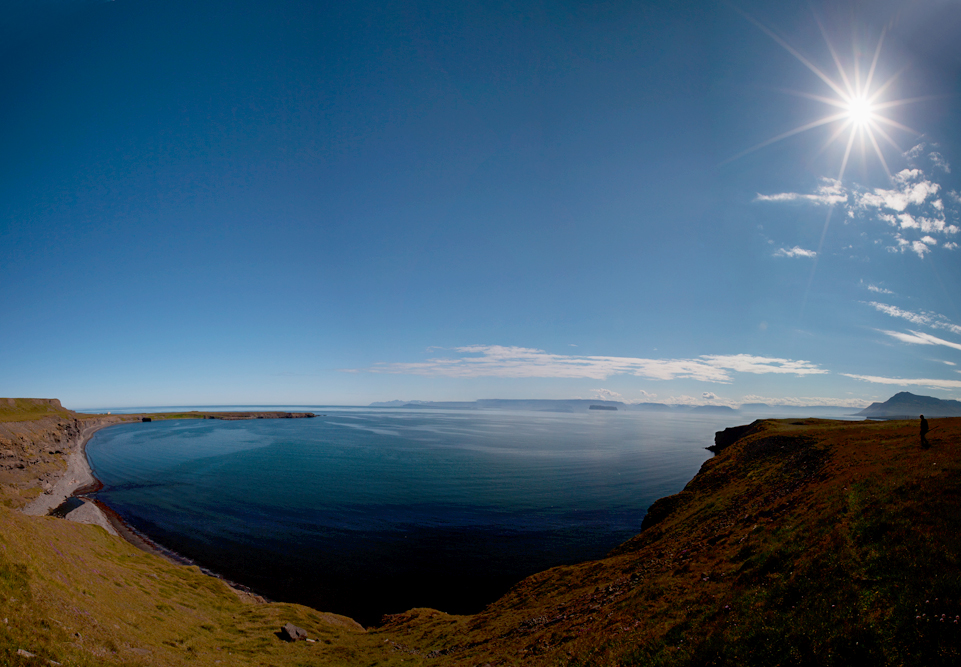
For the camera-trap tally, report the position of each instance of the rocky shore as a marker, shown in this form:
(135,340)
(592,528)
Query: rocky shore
(77,476)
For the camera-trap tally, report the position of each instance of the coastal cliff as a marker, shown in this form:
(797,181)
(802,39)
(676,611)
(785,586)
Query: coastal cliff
(801,542)
(38,437)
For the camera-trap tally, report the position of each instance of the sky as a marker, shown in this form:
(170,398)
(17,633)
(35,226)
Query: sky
(290,202)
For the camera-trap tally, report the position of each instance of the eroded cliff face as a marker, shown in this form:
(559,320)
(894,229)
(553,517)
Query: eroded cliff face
(37,436)
(33,454)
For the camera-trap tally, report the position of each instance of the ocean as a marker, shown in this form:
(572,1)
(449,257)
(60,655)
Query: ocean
(368,511)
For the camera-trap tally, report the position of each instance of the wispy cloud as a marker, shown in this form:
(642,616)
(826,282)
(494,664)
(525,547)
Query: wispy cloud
(921,338)
(933,320)
(911,188)
(607,395)
(912,209)
(879,290)
(828,192)
(520,362)
(796,251)
(747,363)
(908,382)
(939,161)
(806,401)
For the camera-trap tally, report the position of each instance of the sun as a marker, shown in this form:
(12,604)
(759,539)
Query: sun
(860,111)
(857,99)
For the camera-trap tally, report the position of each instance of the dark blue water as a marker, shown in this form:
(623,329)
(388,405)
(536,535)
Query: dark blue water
(372,511)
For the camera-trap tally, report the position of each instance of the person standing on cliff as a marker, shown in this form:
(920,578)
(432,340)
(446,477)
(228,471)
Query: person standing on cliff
(924,433)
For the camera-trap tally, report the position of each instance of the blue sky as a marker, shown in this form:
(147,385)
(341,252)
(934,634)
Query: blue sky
(335,203)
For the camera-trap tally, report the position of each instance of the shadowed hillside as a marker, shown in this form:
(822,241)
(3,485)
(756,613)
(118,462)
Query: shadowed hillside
(802,543)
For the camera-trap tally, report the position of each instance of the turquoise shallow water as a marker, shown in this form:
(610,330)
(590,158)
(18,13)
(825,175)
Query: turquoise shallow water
(369,511)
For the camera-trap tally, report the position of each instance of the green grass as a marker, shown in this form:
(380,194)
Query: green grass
(74,594)
(29,409)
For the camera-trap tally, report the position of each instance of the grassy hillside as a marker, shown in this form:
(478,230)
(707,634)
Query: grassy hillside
(806,542)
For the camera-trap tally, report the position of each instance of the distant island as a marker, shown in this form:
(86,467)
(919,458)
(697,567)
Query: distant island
(905,405)
(603,407)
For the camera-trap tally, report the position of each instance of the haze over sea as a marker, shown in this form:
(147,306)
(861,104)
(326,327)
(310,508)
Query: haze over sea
(367,511)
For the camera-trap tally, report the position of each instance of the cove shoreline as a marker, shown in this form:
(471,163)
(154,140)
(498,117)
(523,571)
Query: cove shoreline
(79,481)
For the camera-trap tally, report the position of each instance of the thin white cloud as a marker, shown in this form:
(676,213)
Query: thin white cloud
(829,192)
(894,311)
(747,363)
(915,151)
(920,248)
(684,399)
(796,251)
(908,382)
(950,245)
(927,319)
(519,362)
(949,363)
(939,161)
(921,338)
(806,401)
(709,396)
(607,395)
(879,290)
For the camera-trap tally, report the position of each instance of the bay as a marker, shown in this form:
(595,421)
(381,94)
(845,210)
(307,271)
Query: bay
(367,511)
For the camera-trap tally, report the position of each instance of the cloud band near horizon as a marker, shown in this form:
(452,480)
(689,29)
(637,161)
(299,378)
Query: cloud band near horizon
(521,362)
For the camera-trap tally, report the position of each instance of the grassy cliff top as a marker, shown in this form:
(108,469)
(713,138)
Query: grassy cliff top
(31,409)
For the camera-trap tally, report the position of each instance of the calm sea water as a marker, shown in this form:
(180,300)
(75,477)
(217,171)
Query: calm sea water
(369,511)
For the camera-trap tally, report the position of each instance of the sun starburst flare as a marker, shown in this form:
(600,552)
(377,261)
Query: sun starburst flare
(859,104)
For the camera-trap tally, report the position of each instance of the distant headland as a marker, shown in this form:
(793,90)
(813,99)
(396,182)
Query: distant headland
(905,405)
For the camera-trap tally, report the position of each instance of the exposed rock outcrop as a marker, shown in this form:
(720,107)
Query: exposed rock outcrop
(292,633)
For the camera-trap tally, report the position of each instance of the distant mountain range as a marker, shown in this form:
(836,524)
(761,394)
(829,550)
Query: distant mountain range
(586,405)
(905,405)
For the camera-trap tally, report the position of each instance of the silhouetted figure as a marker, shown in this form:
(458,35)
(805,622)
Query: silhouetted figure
(924,433)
